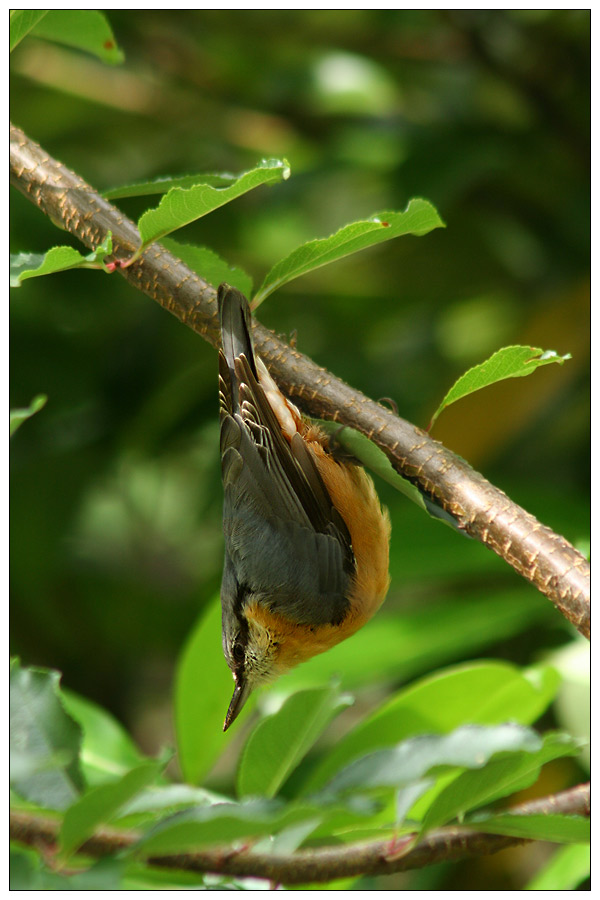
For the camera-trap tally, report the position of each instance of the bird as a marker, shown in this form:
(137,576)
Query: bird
(306,538)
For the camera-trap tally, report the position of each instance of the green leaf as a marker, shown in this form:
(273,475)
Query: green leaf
(180,207)
(400,647)
(210,266)
(418,218)
(560,829)
(164,184)
(169,798)
(566,870)
(497,779)
(57,259)
(107,751)
(480,693)
(99,805)
(222,824)
(44,740)
(21,23)
(85,29)
(280,741)
(18,416)
(372,458)
(203,688)
(509,362)
(407,763)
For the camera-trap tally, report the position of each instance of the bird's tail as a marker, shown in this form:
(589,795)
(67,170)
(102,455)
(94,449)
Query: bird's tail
(236,328)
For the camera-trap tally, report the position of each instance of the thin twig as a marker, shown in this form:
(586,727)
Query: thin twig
(537,553)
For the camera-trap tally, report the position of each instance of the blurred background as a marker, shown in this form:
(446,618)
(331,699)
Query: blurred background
(116,540)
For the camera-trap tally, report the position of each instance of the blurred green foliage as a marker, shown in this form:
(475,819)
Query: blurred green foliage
(116,502)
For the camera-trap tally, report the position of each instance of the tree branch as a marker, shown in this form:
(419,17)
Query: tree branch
(544,558)
(313,865)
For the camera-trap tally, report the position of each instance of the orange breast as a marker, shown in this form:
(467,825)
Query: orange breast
(354,496)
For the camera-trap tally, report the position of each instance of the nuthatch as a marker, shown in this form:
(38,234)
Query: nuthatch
(306,540)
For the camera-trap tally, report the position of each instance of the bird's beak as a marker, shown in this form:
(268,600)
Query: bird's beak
(240,695)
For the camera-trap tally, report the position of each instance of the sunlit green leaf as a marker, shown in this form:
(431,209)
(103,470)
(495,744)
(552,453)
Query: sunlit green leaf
(164,184)
(566,870)
(21,23)
(486,693)
(419,218)
(86,29)
(179,207)
(280,741)
(510,362)
(57,259)
(18,416)
(203,689)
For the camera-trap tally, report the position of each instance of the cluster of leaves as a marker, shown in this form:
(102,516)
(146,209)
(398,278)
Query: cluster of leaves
(437,752)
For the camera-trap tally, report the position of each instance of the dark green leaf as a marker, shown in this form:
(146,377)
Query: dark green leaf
(99,805)
(209,265)
(107,751)
(280,741)
(468,747)
(498,778)
(44,740)
(221,823)
(560,829)
(418,218)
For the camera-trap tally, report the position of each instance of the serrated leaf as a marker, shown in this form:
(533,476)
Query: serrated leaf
(566,870)
(179,207)
(410,761)
(485,693)
(18,416)
(203,688)
(99,805)
(44,740)
(209,265)
(85,29)
(165,183)
(561,829)
(280,741)
(418,218)
(21,23)
(107,750)
(499,778)
(509,362)
(57,259)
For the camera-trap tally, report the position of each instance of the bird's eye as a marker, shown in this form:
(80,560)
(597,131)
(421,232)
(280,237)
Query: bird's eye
(238,652)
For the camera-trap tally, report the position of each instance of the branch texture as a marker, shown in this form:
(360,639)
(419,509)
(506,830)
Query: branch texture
(481,510)
(320,864)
